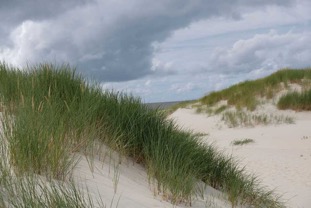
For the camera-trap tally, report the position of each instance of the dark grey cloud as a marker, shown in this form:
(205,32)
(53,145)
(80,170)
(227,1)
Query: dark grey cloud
(15,11)
(108,40)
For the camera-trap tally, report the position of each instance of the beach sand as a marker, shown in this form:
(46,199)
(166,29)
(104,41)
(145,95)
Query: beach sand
(120,182)
(280,155)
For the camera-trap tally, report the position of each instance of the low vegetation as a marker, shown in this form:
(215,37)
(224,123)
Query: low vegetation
(246,94)
(242,141)
(221,109)
(296,101)
(49,113)
(210,110)
(242,118)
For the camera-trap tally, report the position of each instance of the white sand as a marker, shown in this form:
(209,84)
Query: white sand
(280,155)
(118,185)
(132,189)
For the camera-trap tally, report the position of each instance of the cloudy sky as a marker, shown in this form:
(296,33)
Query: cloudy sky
(163,50)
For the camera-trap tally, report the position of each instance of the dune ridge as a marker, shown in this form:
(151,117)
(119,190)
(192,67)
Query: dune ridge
(66,143)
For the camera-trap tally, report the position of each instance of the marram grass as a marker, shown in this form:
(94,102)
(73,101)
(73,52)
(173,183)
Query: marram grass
(242,141)
(33,190)
(246,94)
(50,112)
(296,101)
(238,118)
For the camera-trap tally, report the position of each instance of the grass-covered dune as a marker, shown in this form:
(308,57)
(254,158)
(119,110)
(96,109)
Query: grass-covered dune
(246,94)
(296,101)
(49,113)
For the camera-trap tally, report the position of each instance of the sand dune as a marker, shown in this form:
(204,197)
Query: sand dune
(119,182)
(280,155)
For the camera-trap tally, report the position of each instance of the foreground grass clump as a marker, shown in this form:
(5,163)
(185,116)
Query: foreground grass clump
(296,101)
(49,113)
(51,118)
(35,191)
(245,94)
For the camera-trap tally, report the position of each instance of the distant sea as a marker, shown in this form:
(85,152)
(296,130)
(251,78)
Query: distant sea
(162,105)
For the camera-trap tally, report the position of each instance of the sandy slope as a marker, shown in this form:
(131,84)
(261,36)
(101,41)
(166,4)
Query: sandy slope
(280,155)
(118,185)
(126,184)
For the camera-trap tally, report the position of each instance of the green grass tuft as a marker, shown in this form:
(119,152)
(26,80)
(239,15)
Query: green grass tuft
(220,109)
(250,119)
(296,101)
(242,141)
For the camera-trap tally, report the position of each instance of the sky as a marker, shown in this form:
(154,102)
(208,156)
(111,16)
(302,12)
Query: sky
(165,50)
